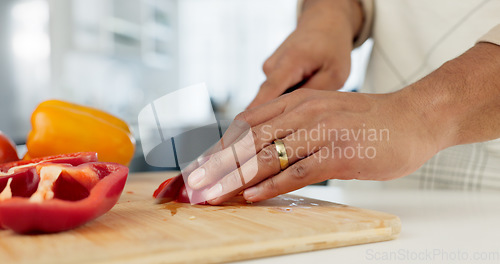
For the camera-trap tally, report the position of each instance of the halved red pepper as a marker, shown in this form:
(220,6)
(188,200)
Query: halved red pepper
(53,197)
(74,159)
(173,189)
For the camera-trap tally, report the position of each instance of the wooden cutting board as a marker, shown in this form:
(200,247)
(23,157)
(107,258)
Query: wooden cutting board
(137,230)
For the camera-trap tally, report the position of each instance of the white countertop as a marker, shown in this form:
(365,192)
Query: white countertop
(439,226)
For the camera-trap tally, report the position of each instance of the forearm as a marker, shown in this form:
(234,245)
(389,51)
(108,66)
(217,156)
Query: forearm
(460,102)
(348,12)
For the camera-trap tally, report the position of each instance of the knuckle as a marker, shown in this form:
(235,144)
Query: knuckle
(249,141)
(268,66)
(271,187)
(263,136)
(242,117)
(255,135)
(254,141)
(214,162)
(267,156)
(268,88)
(298,172)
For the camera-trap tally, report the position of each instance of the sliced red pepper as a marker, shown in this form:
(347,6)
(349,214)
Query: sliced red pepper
(52,197)
(74,159)
(169,190)
(173,189)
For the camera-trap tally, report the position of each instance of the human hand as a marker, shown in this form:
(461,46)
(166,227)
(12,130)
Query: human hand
(328,135)
(318,50)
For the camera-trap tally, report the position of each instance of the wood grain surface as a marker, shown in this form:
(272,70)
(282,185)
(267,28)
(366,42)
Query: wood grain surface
(137,230)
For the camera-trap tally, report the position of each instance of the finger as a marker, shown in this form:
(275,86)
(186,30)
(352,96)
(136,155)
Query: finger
(252,142)
(259,167)
(302,173)
(239,128)
(218,165)
(248,144)
(284,77)
(259,115)
(325,80)
(251,118)
(224,159)
(270,64)
(255,139)
(264,165)
(287,50)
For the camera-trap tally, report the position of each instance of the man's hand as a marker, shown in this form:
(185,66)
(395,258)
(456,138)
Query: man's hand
(335,135)
(328,135)
(318,50)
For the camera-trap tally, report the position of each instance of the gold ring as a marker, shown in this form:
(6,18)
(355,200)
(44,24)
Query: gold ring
(280,147)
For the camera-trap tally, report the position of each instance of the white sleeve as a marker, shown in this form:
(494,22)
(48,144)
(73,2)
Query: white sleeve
(493,36)
(300,3)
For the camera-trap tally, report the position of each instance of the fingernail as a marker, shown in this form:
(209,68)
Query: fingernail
(214,192)
(196,177)
(250,192)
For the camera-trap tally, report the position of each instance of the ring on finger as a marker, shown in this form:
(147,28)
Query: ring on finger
(283,157)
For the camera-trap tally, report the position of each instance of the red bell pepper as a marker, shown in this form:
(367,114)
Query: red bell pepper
(173,189)
(52,197)
(8,150)
(74,159)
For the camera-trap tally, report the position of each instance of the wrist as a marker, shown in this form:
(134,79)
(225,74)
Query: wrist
(459,102)
(427,103)
(346,13)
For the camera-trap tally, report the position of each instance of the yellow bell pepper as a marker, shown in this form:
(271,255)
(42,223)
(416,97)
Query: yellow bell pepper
(60,127)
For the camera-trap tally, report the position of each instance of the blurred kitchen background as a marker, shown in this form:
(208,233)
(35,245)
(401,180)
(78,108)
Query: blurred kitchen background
(120,55)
